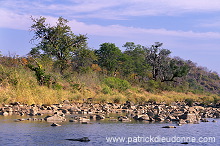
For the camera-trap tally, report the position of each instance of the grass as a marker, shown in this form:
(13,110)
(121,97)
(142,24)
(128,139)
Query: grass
(20,85)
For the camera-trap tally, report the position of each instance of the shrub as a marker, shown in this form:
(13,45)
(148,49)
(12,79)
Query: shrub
(57,86)
(116,83)
(106,90)
(189,101)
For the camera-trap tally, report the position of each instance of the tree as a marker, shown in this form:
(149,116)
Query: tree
(84,58)
(165,68)
(138,60)
(58,41)
(42,77)
(158,60)
(109,57)
(176,68)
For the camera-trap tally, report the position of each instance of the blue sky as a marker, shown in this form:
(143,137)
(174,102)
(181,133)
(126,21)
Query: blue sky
(190,29)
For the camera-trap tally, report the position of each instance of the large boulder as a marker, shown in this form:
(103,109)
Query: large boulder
(159,118)
(55,118)
(4,113)
(33,111)
(142,117)
(171,118)
(123,119)
(190,117)
(217,115)
(99,117)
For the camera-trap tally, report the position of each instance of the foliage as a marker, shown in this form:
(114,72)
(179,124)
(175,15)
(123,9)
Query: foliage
(109,57)
(137,60)
(83,58)
(106,90)
(189,101)
(58,42)
(139,74)
(42,77)
(116,83)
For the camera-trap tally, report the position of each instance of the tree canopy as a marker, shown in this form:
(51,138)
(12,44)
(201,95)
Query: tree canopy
(141,65)
(58,42)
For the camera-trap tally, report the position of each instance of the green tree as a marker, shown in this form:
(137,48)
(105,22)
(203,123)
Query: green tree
(165,68)
(84,58)
(176,68)
(158,59)
(42,77)
(109,57)
(58,41)
(137,54)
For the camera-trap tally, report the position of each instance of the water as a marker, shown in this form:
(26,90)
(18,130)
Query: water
(30,133)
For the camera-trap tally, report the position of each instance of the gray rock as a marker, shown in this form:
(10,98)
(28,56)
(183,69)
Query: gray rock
(66,102)
(142,117)
(124,119)
(55,124)
(84,139)
(190,117)
(169,127)
(55,118)
(204,120)
(5,113)
(159,118)
(33,111)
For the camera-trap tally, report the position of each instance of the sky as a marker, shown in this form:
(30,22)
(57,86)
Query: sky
(190,29)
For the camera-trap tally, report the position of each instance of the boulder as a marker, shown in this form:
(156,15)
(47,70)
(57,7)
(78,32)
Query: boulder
(204,120)
(159,118)
(66,102)
(71,120)
(33,111)
(181,121)
(4,113)
(150,113)
(84,139)
(85,121)
(217,115)
(100,117)
(124,119)
(55,118)
(55,124)
(19,120)
(141,117)
(171,118)
(190,117)
(169,127)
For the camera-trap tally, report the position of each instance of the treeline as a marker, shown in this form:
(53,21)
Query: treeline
(61,55)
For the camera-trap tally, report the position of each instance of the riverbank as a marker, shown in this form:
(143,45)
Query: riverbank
(178,112)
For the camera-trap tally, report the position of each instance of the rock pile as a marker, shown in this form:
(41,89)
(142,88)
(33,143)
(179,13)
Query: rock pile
(177,112)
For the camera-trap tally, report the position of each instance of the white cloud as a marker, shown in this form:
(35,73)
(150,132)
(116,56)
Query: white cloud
(12,20)
(123,31)
(113,9)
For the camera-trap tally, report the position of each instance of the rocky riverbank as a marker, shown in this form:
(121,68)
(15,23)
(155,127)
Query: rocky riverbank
(85,112)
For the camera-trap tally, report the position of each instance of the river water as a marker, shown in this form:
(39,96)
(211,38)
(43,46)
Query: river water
(101,133)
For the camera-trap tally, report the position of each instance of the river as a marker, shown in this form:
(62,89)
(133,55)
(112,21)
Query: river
(101,133)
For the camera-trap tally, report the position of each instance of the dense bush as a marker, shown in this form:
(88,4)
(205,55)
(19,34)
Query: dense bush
(116,83)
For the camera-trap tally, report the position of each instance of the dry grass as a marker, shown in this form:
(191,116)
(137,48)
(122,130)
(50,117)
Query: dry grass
(26,90)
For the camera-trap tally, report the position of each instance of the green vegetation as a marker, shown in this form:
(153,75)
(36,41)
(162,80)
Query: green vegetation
(62,67)
(116,83)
